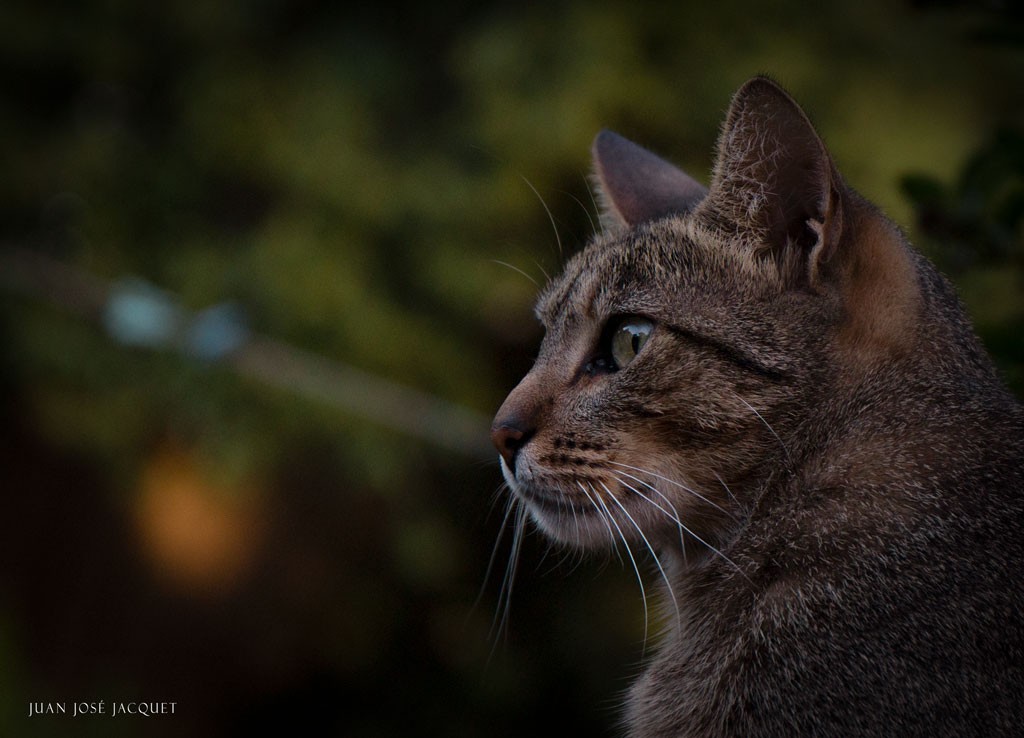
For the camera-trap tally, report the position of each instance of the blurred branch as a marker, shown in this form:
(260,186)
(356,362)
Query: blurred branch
(387,403)
(34,275)
(134,313)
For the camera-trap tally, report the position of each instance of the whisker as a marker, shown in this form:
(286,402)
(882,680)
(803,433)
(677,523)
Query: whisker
(499,615)
(657,561)
(494,551)
(593,201)
(499,627)
(542,270)
(693,492)
(600,514)
(573,559)
(497,496)
(549,546)
(558,238)
(571,555)
(727,490)
(563,554)
(517,269)
(694,535)
(767,425)
(629,552)
(593,227)
(674,515)
(575,522)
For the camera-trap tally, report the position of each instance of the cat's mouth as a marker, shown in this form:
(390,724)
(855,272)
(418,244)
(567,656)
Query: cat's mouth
(541,499)
(545,501)
(550,502)
(595,510)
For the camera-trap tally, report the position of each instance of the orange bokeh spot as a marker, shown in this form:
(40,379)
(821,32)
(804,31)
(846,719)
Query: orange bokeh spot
(201,537)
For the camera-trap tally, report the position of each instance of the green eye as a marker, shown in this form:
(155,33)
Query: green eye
(628,338)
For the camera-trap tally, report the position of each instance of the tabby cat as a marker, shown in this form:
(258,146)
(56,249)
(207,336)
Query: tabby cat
(763,385)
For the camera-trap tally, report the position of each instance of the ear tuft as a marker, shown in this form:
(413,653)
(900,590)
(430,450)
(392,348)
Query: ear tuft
(636,185)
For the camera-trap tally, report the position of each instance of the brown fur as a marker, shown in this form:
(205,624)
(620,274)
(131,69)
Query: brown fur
(880,292)
(813,406)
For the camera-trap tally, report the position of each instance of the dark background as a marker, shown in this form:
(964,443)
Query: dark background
(232,236)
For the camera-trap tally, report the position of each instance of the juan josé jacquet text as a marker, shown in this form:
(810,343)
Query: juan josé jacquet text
(114,709)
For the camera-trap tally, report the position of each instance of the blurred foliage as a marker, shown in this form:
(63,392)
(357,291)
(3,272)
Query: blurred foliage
(978,219)
(358,180)
(973,228)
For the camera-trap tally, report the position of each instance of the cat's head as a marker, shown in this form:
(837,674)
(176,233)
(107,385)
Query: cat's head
(689,347)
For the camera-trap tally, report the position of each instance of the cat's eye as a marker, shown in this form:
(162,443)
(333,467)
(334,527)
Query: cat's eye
(627,338)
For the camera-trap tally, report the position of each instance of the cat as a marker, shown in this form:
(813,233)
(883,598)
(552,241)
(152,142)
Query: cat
(766,387)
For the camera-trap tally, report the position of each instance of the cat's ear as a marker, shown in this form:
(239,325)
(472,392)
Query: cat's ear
(774,181)
(636,186)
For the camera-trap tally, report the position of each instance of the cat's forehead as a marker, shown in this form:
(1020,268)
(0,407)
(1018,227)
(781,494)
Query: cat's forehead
(651,264)
(572,293)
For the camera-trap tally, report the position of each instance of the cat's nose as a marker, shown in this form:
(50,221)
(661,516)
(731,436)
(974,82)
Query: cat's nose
(519,416)
(509,435)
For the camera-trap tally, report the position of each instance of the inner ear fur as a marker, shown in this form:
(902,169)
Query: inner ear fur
(774,182)
(636,185)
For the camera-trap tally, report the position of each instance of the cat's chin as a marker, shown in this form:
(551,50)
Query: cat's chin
(584,532)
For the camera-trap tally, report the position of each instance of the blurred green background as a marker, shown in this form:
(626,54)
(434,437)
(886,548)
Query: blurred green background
(266,271)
